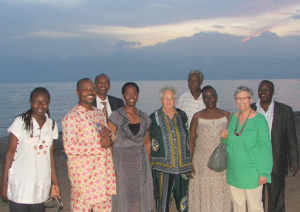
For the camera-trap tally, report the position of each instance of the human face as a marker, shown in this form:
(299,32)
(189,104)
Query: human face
(39,103)
(86,93)
(102,85)
(194,83)
(243,101)
(210,98)
(130,95)
(168,100)
(265,92)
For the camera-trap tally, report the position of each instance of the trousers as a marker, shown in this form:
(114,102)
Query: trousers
(167,186)
(250,197)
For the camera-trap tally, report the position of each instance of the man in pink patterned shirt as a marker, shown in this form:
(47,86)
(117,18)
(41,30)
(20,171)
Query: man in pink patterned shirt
(90,165)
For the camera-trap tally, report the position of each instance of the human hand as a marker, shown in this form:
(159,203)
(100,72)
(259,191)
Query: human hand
(105,132)
(262,180)
(192,173)
(294,169)
(3,192)
(224,133)
(55,191)
(106,142)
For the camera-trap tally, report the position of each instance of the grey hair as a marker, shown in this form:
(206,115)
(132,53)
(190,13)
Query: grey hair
(198,72)
(168,88)
(242,89)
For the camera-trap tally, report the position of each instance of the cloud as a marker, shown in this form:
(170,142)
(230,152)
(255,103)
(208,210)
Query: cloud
(296,17)
(148,22)
(59,3)
(219,26)
(123,43)
(49,34)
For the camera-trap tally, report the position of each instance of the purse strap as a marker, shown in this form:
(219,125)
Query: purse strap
(230,117)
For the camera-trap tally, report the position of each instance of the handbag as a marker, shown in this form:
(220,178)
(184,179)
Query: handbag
(218,159)
(54,202)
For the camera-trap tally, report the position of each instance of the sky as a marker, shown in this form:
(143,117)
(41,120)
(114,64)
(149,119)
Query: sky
(32,31)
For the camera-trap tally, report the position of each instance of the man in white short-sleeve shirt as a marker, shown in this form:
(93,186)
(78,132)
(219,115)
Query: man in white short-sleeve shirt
(191,101)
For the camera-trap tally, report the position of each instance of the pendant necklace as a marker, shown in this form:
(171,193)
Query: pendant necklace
(238,120)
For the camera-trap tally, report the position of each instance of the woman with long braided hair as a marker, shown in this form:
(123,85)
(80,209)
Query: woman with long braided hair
(29,168)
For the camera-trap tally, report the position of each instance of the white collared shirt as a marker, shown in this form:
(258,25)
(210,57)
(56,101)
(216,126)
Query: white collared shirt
(101,106)
(268,115)
(190,105)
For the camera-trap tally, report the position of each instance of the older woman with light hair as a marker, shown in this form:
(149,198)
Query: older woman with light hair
(170,157)
(249,154)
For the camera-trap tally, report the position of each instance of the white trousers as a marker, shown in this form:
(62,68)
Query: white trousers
(251,197)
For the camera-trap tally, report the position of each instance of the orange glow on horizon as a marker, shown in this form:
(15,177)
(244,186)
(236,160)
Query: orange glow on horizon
(245,39)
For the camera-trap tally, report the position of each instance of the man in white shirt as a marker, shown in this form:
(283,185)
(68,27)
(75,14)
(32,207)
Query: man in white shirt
(280,118)
(191,101)
(105,102)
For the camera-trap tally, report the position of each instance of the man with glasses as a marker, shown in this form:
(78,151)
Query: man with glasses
(281,123)
(191,101)
(105,102)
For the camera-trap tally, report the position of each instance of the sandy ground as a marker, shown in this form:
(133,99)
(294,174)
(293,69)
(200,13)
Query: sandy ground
(292,198)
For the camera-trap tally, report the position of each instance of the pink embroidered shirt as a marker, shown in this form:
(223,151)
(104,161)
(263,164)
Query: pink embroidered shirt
(91,169)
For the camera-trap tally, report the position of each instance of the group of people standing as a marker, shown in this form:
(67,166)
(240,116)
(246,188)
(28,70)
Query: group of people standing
(121,159)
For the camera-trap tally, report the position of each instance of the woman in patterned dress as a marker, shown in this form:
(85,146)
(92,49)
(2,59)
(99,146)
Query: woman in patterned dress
(29,168)
(208,190)
(131,155)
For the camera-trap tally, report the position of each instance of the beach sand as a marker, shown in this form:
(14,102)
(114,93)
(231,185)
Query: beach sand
(292,194)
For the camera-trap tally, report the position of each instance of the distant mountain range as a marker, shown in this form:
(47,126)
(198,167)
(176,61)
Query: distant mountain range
(219,56)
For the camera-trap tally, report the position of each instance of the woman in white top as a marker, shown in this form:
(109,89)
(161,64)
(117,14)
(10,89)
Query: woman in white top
(29,168)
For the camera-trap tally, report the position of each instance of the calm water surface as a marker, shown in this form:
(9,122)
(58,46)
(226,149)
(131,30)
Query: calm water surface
(14,97)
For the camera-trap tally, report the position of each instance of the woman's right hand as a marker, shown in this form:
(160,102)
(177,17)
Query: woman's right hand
(105,132)
(224,133)
(192,173)
(3,192)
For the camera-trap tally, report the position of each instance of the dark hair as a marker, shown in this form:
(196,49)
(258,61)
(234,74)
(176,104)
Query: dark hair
(128,84)
(27,116)
(83,79)
(100,76)
(208,87)
(267,81)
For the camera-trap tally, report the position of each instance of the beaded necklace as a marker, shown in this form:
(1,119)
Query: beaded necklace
(237,122)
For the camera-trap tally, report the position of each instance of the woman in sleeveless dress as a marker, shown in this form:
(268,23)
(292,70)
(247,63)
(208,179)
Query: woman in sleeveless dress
(131,155)
(208,190)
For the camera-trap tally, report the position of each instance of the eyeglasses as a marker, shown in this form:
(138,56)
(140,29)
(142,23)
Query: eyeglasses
(40,103)
(242,98)
(263,89)
(168,98)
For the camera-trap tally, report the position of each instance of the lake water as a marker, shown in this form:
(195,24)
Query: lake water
(14,97)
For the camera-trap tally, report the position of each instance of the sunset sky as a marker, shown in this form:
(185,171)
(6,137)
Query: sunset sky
(65,40)
(28,27)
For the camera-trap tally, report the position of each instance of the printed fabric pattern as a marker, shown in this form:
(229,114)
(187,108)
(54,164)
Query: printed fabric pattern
(91,169)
